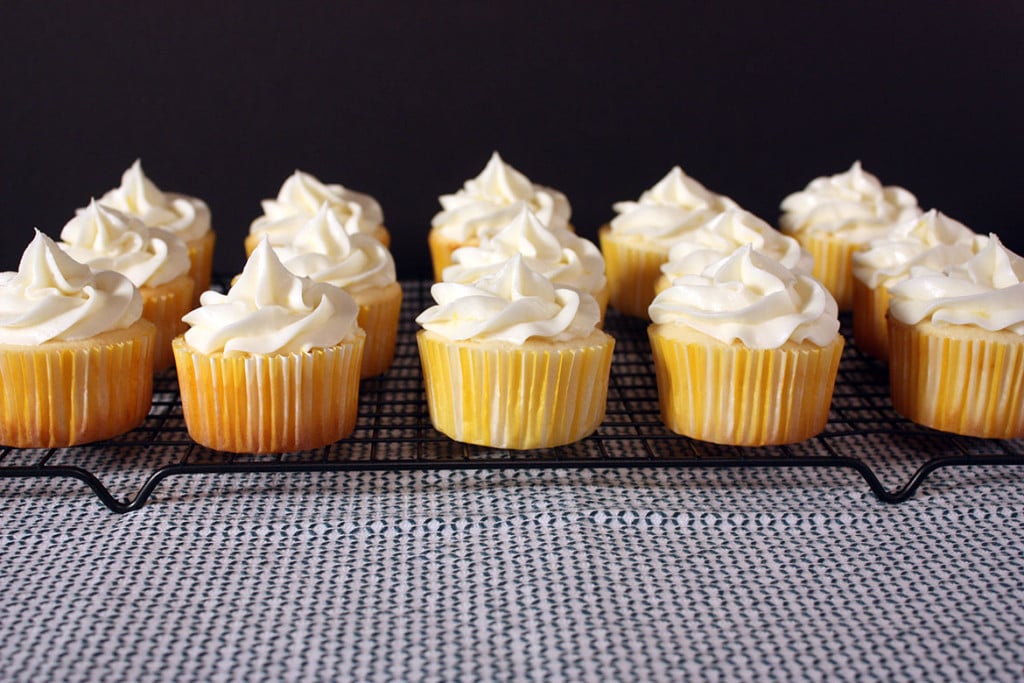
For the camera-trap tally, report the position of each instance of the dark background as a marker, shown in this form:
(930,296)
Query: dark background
(406,101)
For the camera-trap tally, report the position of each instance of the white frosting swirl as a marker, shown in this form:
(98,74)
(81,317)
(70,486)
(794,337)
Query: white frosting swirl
(106,239)
(751,298)
(54,297)
(932,240)
(271,310)
(299,199)
(560,255)
(675,205)
(323,251)
(987,291)
(187,217)
(512,305)
(723,234)
(853,204)
(490,201)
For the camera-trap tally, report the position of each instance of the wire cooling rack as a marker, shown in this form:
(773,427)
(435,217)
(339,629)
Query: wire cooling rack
(394,432)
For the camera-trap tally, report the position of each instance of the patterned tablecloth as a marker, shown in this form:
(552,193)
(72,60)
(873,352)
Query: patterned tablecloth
(638,574)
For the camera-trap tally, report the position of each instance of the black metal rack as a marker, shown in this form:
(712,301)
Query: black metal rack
(393,432)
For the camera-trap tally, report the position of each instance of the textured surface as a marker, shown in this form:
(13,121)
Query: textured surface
(516,575)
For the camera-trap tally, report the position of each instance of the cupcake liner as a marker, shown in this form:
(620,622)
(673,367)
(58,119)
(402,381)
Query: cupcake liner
(270,403)
(200,253)
(730,394)
(164,306)
(958,378)
(870,331)
(442,248)
(833,263)
(534,396)
(62,394)
(378,316)
(632,270)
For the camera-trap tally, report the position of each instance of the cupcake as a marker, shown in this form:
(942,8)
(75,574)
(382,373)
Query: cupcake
(514,361)
(153,259)
(76,356)
(956,345)
(559,255)
(298,200)
(835,216)
(746,353)
(637,241)
(722,235)
(932,240)
(485,204)
(323,251)
(186,217)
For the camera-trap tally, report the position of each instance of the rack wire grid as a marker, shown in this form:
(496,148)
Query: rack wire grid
(394,432)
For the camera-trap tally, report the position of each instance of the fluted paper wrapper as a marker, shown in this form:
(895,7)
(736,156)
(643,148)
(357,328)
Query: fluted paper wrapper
(270,403)
(833,263)
(870,330)
(62,394)
(200,254)
(515,397)
(731,394)
(164,306)
(957,378)
(378,316)
(632,273)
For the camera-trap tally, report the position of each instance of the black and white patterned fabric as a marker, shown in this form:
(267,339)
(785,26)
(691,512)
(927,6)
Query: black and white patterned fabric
(520,575)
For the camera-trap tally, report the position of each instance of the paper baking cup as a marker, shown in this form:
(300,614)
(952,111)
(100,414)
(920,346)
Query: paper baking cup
(958,378)
(538,395)
(632,270)
(270,403)
(164,306)
(730,394)
(378,316)
(870,331)
(62,394)
(833,263)
(200,253)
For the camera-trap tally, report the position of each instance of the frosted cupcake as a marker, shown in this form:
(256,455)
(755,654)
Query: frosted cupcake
(956,345)
(514,361)
(746,353)
(835,216)
(76,356)
(188,218)
(932,240)
(559,255)
(153,259)
(273,364)
(487,203)
(637,241)
(722,235)
(324,251)
(298,200)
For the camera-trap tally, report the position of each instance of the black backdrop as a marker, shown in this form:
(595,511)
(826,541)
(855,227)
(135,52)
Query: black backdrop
(405,101)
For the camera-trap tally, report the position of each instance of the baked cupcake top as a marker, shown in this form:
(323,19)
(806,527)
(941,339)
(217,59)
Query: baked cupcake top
(490,200)
(106,239)
(324,251)
(933,240)
(986,291)
(511,305)
(675,205)
(752,299)
(52,297)
(723,234)
(269,310)
(854,205)
(137,195)
(299,199)
(560,255)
